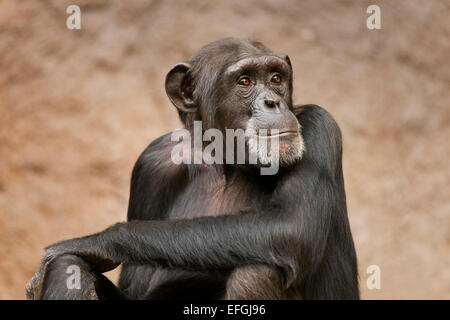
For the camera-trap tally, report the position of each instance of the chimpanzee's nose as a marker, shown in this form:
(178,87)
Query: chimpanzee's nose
(272,103)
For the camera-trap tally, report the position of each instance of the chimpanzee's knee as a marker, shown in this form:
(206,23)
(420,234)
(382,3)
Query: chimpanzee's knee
(69,277)
(258,282)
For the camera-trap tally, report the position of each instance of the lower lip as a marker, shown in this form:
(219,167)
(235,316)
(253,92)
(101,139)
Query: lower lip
(281,134)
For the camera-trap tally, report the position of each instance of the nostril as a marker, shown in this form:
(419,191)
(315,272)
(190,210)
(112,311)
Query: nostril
(271,103)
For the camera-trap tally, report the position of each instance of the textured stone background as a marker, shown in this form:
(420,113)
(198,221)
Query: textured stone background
(77,108)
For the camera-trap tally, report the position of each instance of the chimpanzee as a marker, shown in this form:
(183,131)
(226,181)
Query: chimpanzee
(224,230)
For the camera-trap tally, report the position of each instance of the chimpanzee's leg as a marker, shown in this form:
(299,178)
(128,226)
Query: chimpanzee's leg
(258,282)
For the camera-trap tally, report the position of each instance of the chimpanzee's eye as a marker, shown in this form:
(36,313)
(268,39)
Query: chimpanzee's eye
(276,78)
(244,81)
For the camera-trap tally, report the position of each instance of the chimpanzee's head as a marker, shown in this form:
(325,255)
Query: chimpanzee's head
(239,84)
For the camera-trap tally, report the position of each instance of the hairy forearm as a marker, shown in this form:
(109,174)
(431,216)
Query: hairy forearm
(206,243)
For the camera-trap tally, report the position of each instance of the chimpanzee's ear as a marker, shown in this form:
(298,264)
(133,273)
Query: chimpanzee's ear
(285,57)
(179,87)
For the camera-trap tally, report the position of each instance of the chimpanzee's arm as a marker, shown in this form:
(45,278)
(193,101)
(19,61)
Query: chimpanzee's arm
(208,243)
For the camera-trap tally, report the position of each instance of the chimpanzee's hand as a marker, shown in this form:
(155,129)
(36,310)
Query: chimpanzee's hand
(33,289)
(89,248)
(81,247)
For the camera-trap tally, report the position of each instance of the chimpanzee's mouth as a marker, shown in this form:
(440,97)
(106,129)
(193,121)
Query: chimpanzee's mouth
(278,133)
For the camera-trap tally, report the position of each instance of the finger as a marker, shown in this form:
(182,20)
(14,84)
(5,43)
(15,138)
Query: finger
(34,287)
(29,291)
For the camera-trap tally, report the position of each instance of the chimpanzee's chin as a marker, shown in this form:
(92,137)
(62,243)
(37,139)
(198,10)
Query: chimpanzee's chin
(291,149)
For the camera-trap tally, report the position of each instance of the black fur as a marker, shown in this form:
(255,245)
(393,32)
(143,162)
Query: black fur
(216,231)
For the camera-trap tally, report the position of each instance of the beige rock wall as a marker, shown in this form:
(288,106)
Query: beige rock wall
(77,108)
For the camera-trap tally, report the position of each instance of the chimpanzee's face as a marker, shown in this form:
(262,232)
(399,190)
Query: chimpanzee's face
(258,100)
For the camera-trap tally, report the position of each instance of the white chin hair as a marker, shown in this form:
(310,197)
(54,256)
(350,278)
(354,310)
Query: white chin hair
(294,152)
(265,154)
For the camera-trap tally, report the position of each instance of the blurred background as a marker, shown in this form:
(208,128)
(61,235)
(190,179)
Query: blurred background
(77,107)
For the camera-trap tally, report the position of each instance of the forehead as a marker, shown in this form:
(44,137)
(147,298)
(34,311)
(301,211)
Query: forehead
(258,62)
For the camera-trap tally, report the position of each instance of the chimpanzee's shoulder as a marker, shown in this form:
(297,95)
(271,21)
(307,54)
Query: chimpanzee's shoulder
(322,137)
(314,111)
(315,118)
(156,158)
(155,180)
